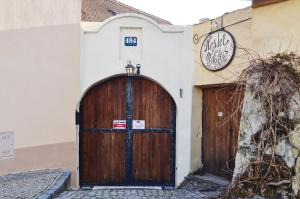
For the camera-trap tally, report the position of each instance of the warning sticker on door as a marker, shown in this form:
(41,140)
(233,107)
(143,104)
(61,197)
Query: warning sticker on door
(138,124)
(119,124)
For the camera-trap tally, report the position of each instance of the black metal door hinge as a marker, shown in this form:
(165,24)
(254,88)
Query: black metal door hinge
(77,118)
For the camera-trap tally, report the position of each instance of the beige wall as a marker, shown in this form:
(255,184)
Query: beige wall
(42,157)
(31,13)
(196,137)
(39,82)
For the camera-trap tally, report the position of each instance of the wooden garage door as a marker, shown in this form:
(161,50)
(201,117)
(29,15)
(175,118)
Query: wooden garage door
(220,129)
(129,156)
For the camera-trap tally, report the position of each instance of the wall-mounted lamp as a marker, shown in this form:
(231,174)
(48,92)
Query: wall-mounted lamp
(130,69)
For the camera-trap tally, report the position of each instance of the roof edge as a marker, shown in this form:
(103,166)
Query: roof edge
(94,27)
(167,22)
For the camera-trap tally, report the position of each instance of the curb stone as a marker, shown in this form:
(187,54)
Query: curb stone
(60,185)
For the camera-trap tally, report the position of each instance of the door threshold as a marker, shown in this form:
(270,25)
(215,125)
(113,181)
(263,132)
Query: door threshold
(126,187)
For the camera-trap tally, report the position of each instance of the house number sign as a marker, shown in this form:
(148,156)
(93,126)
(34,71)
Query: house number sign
(130,41)
(217,50)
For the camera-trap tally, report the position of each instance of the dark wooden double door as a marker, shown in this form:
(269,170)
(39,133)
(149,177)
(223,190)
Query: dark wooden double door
(131,157)
(221,121)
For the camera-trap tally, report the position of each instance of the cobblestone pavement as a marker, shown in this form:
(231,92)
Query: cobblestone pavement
(27,184)
(131,194)
(192,188)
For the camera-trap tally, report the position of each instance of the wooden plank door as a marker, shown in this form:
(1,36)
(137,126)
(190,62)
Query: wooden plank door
(220,129)
(130,156)
(102,148)
(154,147)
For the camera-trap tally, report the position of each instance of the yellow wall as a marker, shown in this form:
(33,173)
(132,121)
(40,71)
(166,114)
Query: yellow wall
(268,29)
(272,28)
(276,27)
(242,35)
(196,137)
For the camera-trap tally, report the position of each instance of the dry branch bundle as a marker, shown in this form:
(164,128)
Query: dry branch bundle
(264,177)
(273,82)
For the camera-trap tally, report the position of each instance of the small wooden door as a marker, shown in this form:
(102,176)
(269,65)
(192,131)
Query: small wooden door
(128,156)
(220,129)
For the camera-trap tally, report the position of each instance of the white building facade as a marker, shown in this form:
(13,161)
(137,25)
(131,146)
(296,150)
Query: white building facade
(165,55)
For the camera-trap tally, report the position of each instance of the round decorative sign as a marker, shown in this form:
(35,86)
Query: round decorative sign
(217,50)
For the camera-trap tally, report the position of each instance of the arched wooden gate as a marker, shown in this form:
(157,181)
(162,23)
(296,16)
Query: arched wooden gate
(125,152)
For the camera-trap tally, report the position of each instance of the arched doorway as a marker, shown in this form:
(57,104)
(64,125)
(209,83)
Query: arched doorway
(127,134)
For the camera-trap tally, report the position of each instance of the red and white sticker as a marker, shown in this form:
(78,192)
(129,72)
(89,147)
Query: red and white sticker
(119,124)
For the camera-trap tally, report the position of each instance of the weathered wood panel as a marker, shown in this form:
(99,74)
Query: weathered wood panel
(152,152)
(127,157)
(152,157)
(220,134)
(152,104)
(103,153)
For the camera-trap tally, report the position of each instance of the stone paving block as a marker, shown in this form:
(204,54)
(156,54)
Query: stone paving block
(193,189)
(28,184)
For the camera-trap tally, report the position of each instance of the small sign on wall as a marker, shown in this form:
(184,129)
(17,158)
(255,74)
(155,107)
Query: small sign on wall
(216,24)
(6,144)
(119,124)
(138,124)
(130,41)
(217,50)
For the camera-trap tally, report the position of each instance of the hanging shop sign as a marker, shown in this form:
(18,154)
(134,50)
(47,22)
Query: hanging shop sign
(119,124)
(217,50)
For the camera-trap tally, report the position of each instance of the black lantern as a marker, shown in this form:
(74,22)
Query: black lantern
(130,69)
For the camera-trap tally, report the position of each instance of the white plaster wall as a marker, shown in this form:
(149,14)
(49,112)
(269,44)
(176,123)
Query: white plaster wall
(167,58)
